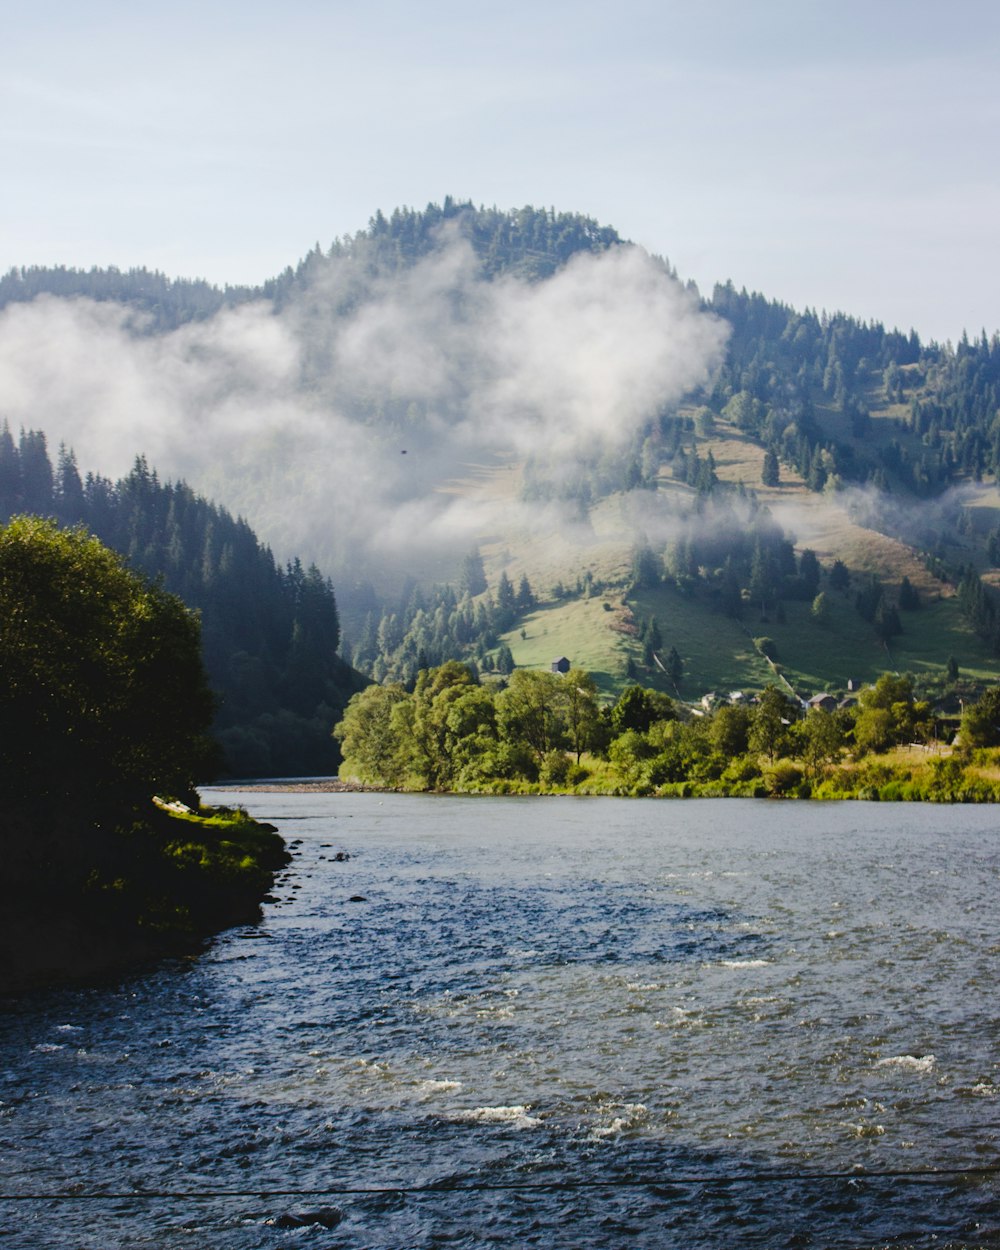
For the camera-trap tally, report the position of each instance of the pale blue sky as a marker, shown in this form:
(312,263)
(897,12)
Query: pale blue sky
(840,155)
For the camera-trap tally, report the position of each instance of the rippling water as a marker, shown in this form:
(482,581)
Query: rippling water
(591,1023)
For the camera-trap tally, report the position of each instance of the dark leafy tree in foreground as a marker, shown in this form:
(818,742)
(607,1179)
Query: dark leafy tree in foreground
(103,696)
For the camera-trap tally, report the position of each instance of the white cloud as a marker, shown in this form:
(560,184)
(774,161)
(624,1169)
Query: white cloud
(275,414)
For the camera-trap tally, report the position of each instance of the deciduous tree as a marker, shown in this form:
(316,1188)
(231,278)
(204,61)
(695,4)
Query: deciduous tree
(102,688)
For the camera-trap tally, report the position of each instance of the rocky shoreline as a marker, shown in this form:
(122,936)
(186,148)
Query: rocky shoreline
(308,785)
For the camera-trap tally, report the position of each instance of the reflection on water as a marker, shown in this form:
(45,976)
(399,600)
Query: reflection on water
(601,1022)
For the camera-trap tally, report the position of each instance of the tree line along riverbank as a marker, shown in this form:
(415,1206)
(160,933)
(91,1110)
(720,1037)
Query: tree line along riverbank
(547,733)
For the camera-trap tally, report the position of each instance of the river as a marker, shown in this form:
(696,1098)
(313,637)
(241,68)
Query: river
(540,1022)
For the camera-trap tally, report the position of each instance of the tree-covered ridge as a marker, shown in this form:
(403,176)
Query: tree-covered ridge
(808,386)
(545,732)
(839,399)
(164,303)
(530,242)
(805,384)
(270,635)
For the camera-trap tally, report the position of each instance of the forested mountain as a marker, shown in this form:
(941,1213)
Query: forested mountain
(269,634)
(531,242)
(806,384)
(462,380)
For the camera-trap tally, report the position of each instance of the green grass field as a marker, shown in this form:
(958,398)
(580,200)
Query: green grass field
(581,630)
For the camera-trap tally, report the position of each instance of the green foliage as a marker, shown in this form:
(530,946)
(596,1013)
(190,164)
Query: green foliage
(772,718)
(528,711)
(820,610)
(452,733)
(822,736)
(554,771)
(103,690)
(783,778)
(981,721)
(632,710)
(473,577)
(889,714)
(371,740)
(730,731)
(104,704)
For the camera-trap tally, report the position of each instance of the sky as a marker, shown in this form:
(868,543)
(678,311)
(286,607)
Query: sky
(834,156)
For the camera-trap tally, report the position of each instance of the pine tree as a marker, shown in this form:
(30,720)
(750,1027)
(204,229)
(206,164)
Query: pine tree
(473,578)
(525,595)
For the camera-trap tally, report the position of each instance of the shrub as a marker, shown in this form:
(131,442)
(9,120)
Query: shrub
(555,768)
(783,778)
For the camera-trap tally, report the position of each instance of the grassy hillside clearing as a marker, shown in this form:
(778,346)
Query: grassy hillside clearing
(565,558)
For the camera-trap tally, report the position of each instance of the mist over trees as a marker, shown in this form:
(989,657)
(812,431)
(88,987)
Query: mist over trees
(331,403)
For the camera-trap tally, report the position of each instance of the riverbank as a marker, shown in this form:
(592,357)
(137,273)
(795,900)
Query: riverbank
(303,785)
(915,773)
(86,902)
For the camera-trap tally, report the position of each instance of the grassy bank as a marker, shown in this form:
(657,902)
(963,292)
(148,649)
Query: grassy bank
(907,774)
(89,900)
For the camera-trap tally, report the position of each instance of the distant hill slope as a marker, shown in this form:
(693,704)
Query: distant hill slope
(816,448)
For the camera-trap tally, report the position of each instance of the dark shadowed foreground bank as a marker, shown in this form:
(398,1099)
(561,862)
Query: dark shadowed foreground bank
(86,899)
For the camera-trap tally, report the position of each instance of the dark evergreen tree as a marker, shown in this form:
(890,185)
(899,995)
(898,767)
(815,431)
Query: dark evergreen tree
(473,579)
(809,572)
(909,599)
(840,577)
(525,595)
(770,474)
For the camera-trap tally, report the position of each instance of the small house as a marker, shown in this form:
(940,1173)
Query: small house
(825,702)
(560,664)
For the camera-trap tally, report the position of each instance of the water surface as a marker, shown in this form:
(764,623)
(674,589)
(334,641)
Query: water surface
(658,1021)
